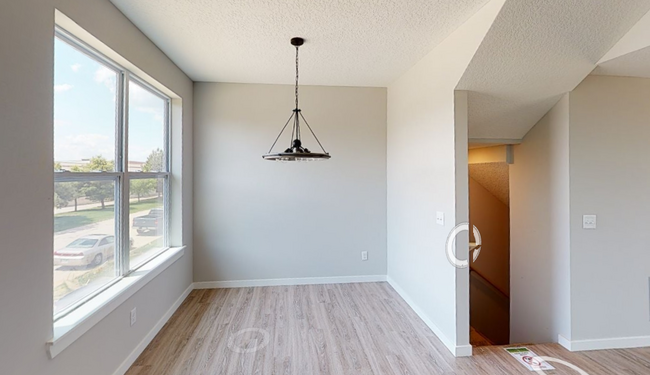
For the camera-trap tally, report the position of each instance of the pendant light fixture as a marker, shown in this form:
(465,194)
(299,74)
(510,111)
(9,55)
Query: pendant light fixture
(296,151)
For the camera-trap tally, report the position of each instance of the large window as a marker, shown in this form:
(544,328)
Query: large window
(111,180)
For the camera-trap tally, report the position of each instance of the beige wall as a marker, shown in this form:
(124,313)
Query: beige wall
(587,156)
(493,154)
(491,217)
(539,231)
(26,224)
(489,304)
(257,219)
(610,177)
(427,141)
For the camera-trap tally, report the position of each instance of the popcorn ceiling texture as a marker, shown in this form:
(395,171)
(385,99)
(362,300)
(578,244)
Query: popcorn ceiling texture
(535,52)
(494,177)
(348,42)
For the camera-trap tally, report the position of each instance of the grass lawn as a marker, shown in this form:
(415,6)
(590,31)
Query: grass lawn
(69,220)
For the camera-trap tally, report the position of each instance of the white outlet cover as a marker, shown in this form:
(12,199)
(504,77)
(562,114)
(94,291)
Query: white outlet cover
(589,221)
(440,218)
(134,316)
(364,255)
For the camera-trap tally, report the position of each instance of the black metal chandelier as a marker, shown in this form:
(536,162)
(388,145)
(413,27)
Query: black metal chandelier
(296,151)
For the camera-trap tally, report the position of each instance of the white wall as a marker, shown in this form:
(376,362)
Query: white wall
(26,225)
(427,142)
(539,231)
(256,219)
(610,177)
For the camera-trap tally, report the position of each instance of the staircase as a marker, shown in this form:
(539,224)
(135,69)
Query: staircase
(490,311)
(477,339)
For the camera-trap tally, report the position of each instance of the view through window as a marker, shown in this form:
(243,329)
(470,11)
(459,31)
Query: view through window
(96,182)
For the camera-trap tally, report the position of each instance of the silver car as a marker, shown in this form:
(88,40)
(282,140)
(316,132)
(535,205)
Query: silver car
(91,250)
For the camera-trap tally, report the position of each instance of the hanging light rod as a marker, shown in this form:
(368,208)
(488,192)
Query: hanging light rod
(296,151)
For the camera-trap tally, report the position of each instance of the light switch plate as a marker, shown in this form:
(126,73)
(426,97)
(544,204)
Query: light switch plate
(588,221)
(440,218)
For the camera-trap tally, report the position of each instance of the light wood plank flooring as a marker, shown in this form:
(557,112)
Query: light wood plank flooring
(331,329)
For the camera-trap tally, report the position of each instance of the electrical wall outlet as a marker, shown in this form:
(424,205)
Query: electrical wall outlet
(364,255)
(440,218)
(588,221)
(134,316)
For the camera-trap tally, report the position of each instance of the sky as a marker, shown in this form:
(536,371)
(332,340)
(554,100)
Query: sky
(85,111)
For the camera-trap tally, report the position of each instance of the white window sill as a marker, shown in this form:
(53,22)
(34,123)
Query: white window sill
(72,326)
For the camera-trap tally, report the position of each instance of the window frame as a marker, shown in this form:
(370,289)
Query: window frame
(121,176)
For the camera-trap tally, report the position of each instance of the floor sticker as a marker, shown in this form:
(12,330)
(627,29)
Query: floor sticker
(529,359)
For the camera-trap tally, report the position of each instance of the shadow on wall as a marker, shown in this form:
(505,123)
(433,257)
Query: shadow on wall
(490,274)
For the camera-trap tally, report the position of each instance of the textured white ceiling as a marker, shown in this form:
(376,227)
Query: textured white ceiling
(349,42)
(494,177)
(535,52)
(634,64)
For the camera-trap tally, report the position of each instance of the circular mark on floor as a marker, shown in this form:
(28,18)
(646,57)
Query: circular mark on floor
(249,340)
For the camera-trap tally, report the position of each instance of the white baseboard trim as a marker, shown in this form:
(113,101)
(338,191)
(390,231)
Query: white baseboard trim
(457,351)
(284,282)
(566,343)
(603,344)
(463,351)
(128,362)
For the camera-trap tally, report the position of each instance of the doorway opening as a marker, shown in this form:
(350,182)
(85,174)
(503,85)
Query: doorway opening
(489,211)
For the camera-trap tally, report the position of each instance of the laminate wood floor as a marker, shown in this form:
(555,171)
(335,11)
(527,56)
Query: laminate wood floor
(331,329)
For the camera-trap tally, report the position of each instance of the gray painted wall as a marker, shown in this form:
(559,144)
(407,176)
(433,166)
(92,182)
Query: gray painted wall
(256,219)
(26,225)
(588,155)
(610,177)
(539,231)
(427,172)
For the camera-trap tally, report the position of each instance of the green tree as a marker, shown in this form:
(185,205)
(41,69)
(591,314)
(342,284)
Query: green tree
(64,192)
(155,163)
(97,191)
(142,187)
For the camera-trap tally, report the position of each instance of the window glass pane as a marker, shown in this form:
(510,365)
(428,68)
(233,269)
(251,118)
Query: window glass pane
(146,130)
(84,230)
(147,218)
(85,111)
(87,98)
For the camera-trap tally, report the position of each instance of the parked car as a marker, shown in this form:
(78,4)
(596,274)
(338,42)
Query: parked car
(91,250)
(150,222)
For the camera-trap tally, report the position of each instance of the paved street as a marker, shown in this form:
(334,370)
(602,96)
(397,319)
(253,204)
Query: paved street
(61,239)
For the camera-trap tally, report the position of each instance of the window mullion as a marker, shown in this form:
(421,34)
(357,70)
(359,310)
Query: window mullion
(167,135)
(147,175)
(84,176)
(122,256)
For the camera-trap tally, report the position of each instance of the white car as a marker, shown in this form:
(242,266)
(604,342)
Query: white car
(91,250)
